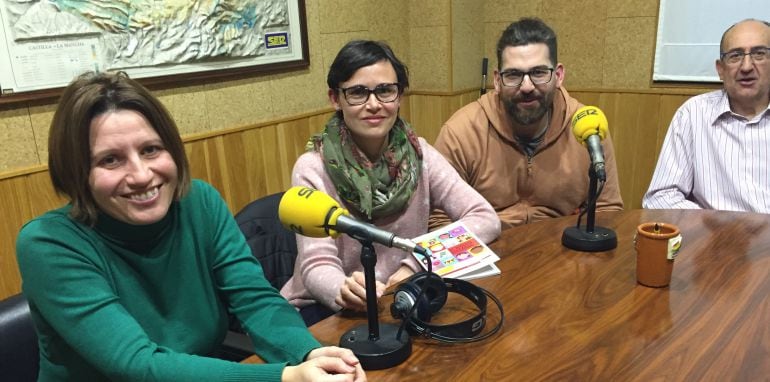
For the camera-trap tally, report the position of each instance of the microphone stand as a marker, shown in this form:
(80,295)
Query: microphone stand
(592,239)
(379,347)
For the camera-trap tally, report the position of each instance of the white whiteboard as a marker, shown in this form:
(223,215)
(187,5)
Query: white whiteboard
(689,31)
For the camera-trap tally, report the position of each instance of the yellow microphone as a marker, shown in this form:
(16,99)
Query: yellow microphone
(589,125)
(588,121)
(309,212)
(312,213)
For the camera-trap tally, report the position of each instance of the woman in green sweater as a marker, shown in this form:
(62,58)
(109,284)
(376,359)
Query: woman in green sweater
(133,279)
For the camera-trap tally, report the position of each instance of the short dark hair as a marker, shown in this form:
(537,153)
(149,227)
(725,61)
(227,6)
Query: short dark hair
(722,40)
(69,150)
(526,31)
(357,54)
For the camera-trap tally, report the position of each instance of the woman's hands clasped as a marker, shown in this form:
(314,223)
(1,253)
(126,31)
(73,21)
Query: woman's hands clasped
(329,363)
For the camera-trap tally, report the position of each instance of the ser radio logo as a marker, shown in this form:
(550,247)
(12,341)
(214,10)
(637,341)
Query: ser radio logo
(276,40)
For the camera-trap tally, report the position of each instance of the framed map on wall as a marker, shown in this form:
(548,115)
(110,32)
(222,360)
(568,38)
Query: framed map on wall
(45,43)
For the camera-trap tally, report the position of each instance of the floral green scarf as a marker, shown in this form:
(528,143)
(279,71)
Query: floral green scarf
(377,189)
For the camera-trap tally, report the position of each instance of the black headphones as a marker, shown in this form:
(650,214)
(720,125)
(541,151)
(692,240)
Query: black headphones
(424,294)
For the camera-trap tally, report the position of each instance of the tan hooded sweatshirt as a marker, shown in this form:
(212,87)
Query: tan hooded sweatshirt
(479,143)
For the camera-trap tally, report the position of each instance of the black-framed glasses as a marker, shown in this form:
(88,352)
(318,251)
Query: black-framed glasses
(359,94)
(757,54)
(538,76)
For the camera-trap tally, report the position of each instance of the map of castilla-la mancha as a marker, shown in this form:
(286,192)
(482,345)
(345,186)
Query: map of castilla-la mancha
(142,33)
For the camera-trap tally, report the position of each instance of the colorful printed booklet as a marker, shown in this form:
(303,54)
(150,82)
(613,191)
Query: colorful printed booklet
(456,252)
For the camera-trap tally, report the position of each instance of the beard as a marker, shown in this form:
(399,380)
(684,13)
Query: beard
(527,116)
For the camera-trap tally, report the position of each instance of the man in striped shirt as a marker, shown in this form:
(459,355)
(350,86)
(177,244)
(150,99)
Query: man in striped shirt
(716,154)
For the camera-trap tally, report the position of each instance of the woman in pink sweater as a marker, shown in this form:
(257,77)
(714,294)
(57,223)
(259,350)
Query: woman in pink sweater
(372,162)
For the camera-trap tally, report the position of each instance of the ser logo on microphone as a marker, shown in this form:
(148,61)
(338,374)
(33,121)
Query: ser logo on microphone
(582,114)
(303,192)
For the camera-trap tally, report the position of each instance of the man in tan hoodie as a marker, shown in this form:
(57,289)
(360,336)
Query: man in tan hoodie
(514,145)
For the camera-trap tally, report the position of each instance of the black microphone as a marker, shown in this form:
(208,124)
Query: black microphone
(310,212)
(484,63)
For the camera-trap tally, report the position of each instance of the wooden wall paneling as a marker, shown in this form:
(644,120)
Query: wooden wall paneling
(455,103)
(22,198)
(669,104)
(468,97)
(294,136)
(449,105)
(635,117)
(237,171)
(15,205)
(317,122)
(42,196)
(216,165)
(255,165)
(196,157)
(273,176)
(204,159)
(442,112)
(405,109)
(431,111)
(452,104)
(428,112)
(424,113)
(410,110)
(587,98)
(621,123)
(648,112)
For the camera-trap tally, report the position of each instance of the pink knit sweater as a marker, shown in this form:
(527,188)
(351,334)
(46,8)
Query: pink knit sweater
(323,264)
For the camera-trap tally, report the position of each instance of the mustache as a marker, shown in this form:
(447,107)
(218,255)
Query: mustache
(528,98)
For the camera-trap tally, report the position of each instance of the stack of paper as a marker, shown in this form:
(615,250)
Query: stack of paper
(456,252)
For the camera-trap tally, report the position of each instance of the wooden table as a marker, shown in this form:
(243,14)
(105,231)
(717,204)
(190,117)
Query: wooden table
(582,316)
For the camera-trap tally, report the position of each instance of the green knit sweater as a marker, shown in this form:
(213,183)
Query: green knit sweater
(124,302)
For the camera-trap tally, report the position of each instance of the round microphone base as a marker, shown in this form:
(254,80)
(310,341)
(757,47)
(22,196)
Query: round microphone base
(383,353)
(601,239)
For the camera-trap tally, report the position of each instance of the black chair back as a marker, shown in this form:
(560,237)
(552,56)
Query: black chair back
(19,354)
(274,246)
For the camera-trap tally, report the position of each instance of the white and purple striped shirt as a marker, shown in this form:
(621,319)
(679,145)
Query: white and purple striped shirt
(713,158)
